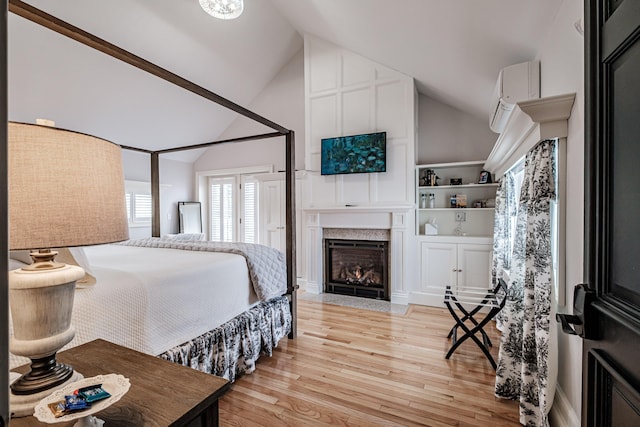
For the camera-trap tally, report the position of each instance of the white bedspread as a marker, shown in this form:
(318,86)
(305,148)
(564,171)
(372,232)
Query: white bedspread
(154,299)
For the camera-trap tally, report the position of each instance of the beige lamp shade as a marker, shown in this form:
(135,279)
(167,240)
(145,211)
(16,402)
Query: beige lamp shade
(65,189)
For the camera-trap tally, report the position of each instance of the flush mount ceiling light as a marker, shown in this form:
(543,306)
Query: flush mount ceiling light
(223,9)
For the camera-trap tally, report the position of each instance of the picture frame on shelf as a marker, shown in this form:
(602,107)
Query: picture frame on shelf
(485,177)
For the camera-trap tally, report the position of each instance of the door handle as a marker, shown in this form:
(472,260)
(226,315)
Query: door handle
(580,323)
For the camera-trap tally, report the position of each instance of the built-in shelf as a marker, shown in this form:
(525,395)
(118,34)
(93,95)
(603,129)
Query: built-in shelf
(477,221)
(457,209)
(452,187)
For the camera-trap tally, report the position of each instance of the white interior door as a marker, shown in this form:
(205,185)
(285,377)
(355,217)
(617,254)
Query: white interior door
(272,214)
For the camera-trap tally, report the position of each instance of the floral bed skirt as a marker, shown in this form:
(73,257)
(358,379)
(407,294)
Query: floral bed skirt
(233,348)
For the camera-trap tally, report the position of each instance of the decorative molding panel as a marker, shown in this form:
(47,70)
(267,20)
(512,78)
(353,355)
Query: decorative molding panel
(356,111)
(323,63)
(325,111)
(348,94)
(394,109)
(356,71)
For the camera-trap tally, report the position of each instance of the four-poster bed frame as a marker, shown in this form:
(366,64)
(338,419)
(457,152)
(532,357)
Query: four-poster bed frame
(41,18)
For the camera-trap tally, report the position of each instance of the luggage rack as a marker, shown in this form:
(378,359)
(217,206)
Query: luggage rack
(493,299)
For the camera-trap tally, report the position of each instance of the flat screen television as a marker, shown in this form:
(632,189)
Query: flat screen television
(363,153)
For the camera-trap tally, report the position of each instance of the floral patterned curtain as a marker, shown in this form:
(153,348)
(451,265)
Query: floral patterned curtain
(527,361)
(506,209)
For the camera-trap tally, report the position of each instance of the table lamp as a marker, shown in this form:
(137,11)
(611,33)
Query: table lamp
(65,189)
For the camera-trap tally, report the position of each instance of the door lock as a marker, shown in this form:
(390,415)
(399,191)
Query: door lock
(582,319)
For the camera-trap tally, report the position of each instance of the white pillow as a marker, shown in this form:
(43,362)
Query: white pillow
(81,258)
(22,256)
(191,237)
(76,256)
(14,264)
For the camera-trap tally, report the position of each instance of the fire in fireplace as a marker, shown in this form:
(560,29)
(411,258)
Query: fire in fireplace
(356,267)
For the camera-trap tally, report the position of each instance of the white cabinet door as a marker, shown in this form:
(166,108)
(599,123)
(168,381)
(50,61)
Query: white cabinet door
(474,265)
(459,265)
(438,265)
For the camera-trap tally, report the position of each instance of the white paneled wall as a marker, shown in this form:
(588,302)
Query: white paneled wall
(347,94)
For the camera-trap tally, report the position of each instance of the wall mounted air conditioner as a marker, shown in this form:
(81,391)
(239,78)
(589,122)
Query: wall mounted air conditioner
(516,83)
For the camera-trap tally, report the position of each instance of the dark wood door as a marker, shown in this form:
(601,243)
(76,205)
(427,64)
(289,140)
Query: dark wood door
(611,355)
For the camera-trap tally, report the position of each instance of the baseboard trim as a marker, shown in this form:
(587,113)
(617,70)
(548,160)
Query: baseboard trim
(312,288)
(399,298)
(562,413)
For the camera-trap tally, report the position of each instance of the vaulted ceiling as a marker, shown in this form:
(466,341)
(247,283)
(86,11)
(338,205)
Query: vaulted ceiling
(453,48)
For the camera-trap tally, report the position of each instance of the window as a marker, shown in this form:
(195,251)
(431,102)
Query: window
(233,208)
(231,202)
(250,202)
(557,215)
(138,202)
(222,210)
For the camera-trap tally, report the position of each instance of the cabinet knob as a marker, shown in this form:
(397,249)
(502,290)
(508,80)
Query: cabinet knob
(460,270)
(454,270)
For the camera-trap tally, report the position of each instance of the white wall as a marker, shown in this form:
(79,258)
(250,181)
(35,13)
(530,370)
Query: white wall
(562,71)
(176,185)
(446,134)
(348,94)
(282,102)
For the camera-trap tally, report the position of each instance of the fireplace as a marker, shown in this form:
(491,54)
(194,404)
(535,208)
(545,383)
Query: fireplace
(357,268)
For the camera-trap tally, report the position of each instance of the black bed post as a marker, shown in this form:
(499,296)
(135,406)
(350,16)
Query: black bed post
(4,220)
(155,195)
(290,188)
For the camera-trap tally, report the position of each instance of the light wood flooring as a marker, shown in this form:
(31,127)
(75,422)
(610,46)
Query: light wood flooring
(359,367)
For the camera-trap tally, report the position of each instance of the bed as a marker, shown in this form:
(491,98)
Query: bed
(109,309)
(215,307)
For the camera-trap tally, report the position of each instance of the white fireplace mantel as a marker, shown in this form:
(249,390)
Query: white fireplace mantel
(395,218)
(360,208)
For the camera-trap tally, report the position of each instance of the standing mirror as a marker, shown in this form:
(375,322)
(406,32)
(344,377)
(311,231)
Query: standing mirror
(190,217)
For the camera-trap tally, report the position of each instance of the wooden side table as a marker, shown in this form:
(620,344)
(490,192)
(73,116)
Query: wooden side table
(161,394)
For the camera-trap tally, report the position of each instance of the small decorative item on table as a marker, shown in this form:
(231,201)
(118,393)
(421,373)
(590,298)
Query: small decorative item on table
(485,178)
(85,399)
(430,179)
(423,201)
